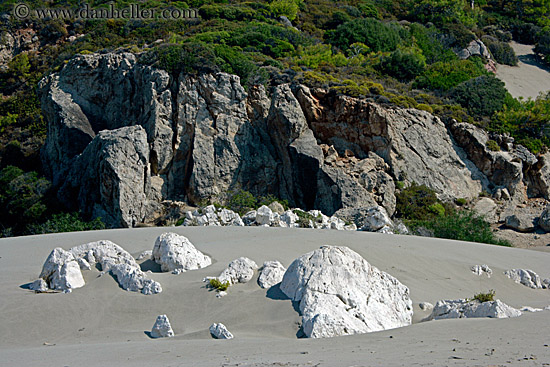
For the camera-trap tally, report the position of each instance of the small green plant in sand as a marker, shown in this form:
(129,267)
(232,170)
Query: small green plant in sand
(485,297)
(218,285)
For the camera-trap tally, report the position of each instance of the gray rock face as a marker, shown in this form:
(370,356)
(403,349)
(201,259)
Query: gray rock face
(486,208)
(474,48)
(340,293)
(464,308)
(544,219)
(177,254)
(162,328)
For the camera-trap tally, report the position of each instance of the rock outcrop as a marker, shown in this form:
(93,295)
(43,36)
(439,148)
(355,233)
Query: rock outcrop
(526,277)
(474,48)
(162,328)
(463,308)
(544,219)
(272,273)
(219,331)
(62,269)
(175,253)
(339,293)
(126,139)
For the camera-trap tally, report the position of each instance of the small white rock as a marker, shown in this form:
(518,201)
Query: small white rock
(162,328)
(530,309)
(482,269)
(524,276)
(219,331)
(39,285)
(221,294)
(145,254)
(426,306)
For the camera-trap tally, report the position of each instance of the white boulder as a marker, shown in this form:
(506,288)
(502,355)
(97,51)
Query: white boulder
(264,216)
(426,306)
(526,277)
(240,270)
(162,328)
(145,254)
(288,219)
(376,218)
(114,259)
(249,218)
(463,308)
(482,269)
(272,273)
(39,285)
(340,293)
(219,331)
(61,271)
(177,254)
(530,309)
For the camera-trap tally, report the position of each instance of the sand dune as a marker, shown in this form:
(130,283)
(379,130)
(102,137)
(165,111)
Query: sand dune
(101,324)
(529,77)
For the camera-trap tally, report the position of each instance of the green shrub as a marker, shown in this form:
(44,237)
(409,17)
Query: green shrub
(485,297)
(241,202)
(543,44)
(288,8)
(403,65)
(425,107)
(368,10)
(416,202)
(493,145)
(446,75)
(218,285)
(429,41)
(463,226)
(9,119)
(65,222)
(233,61)
(190,57)
(375,34)
(481,96)
(502,52)
(461,201)
(233,13)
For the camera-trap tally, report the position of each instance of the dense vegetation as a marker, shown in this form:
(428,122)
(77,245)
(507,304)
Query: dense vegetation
(399,52)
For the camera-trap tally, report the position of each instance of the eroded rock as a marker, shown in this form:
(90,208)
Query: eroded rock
(482,269)
(526,277)
(162,328)
(240,270)
(340,293)
(272,273)
(463,308)
(177,254)
(219,331)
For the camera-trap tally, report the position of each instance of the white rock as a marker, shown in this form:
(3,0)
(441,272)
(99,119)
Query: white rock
(272,273)
(546,283)
(350,227)
(426,306)
(114,259)
(39,285)
(61,271)
(276,207)
(240,270)
(340,293)
(264,215)
(226,216)
(84,264)
(482,269)
(547,308)
(337,223)
(249,218)
(162,328)
(375,219)
(175,252)
(145,254)
(385,230)
(530,309)
(289,218)
(219,331)
(524,276)
(463,308)
(221,294)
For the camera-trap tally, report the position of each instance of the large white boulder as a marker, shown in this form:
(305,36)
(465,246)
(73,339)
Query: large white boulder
(272,273)
(61,271)
(526,277)
(340,293)
(177,254)
(463,308)
(240,270)
(377,219)
(264,216)
(162,328)
(219,331)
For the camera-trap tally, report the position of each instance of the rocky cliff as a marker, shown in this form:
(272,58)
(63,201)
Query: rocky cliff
(124,137)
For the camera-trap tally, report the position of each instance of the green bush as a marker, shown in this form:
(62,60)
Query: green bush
(446,75)
(288,8)
(375,34)
(502,52)
(543,44)
(429,41)
(241,202)
(190,57)
(216,284)
(485,297)
(416,202)
(65,222)
(481,96)
(403,65)
(463,226)
(493,145)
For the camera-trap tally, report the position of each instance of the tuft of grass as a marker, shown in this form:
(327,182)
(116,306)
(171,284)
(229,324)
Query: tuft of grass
(216,284)
(485,297)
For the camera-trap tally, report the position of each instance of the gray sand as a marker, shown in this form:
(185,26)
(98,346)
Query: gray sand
(101,324)
(529,78)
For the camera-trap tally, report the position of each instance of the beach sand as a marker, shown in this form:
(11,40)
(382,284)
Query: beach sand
(102,325)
